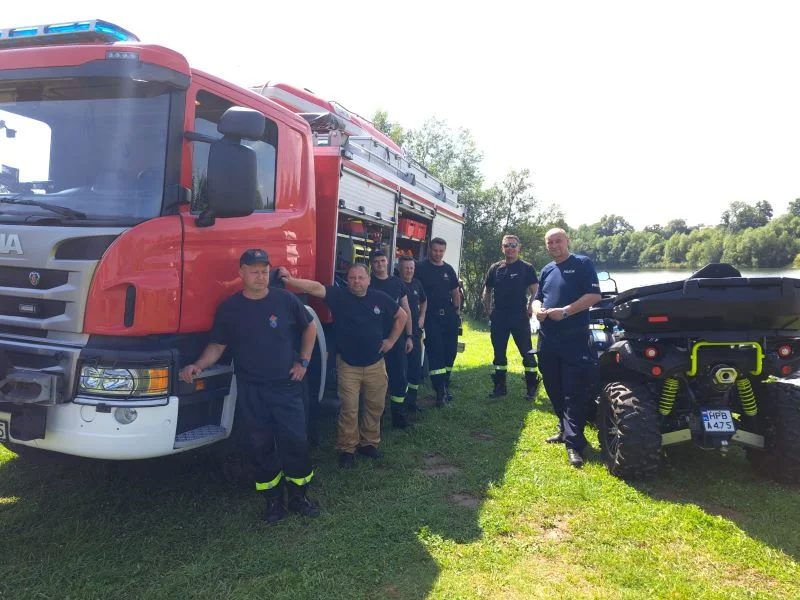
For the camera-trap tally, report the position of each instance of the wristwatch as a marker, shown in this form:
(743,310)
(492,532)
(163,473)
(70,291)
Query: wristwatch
(304,363)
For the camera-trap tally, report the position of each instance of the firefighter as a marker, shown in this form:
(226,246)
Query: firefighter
(514,284)
(568,286)
(396,358)
(359,314)
(262,326)
(442,319)
(418,304)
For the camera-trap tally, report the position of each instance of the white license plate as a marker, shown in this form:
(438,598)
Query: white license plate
(4,431)
(718,421)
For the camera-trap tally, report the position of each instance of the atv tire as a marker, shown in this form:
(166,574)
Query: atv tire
(780,410)
(628,430)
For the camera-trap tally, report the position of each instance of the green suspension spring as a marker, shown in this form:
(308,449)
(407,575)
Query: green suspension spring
(668,393)
(747,397)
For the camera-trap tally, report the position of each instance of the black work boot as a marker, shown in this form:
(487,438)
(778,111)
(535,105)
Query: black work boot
(399,416)
(499,379)
(447,393)
(300,503)
(441,397)
(411,403)
(275,510)
(532,381)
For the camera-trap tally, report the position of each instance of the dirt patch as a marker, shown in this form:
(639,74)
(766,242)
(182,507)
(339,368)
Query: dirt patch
(432,458)
(465,499)
(389,591)
(437,470)
(427,401)
(557,531)
(484,436)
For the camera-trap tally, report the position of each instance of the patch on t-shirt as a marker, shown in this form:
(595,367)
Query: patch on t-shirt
(273,321)
(376,309)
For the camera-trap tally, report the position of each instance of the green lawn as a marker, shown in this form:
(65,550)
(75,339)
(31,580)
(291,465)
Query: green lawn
(470,503)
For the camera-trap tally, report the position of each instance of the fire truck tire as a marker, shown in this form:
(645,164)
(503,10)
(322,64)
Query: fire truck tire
(780,411)
(628,430)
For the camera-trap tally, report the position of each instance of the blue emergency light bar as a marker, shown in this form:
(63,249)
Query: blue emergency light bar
(79,32)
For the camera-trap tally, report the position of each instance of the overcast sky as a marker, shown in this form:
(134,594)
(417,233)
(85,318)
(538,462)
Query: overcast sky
(651,110)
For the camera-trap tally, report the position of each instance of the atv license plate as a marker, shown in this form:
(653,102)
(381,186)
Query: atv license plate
(4,431)
(718,421)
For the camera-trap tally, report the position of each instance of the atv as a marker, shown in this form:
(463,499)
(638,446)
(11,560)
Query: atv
(711,360)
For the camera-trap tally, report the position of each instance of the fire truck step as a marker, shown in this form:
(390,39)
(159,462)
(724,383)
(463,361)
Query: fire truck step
(200,435)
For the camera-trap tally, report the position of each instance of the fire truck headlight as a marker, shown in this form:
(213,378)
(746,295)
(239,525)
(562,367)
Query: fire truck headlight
(125,383)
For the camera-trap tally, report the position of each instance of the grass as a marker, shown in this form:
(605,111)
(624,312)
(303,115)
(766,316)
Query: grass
(470,503)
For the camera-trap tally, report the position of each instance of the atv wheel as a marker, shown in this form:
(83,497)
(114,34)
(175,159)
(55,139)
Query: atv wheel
(628,430)
(780,410)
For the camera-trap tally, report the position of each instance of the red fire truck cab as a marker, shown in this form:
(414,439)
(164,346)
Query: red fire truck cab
(130,184)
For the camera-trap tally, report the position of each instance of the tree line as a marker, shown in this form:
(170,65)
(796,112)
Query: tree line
(747,235)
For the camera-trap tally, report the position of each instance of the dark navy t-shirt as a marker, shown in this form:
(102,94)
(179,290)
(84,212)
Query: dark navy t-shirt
(510,283)
(393,287)
(438,281)
(358,323)
(416,296)
(563,283)
(262,334)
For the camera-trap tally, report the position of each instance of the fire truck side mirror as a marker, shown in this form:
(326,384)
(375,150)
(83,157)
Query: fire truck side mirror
(232,166)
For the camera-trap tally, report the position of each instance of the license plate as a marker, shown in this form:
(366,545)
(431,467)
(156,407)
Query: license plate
(4,431)
(718,421)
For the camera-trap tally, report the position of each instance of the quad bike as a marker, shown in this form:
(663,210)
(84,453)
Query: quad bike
(711,360)
(603,332)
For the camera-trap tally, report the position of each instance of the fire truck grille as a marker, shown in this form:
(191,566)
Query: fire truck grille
(32,308)
(31,279)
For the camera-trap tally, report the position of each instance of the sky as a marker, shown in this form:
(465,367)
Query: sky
(649,110)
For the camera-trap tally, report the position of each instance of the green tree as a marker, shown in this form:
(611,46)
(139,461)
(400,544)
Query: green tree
(675,226)
(612,224)
(740,215)
(382,123)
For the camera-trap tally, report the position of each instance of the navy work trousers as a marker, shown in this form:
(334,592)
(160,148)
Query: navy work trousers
(396,363)
(517,325)
(441,344)
(274,420)
(565,363)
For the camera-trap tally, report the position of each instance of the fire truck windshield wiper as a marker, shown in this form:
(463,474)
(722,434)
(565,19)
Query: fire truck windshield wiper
(64,211)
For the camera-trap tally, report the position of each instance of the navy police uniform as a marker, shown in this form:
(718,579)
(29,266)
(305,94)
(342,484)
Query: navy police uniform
(565,360)
(441,323)
(263,336)
(509,316)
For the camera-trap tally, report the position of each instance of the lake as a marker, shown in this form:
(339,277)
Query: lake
(628,278)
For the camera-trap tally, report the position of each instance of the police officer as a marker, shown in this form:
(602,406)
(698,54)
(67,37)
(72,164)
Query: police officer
(512,280)
(568,286)
(396,361)
(418,304)
(442,319)
(359,314)
(262,327)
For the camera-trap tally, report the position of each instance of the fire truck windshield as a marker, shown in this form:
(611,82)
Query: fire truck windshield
(82,149)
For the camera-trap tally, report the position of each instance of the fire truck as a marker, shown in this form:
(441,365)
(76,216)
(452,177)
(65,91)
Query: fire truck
(130,183)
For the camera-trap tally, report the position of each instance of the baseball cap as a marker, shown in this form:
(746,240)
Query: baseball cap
(376,253)
(253,257)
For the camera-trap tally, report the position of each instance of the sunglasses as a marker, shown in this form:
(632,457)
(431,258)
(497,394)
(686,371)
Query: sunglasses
(512,245)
